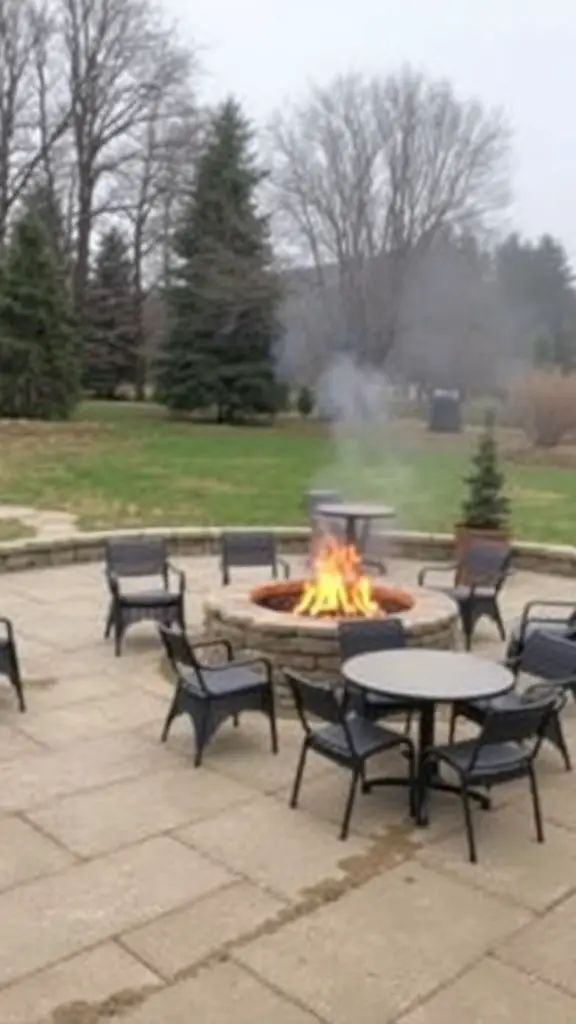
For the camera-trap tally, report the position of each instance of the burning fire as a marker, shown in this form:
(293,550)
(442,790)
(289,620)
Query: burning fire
(339,585)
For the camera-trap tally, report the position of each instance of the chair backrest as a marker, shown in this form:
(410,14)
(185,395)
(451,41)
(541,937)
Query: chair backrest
(314,699)
(548,656)
(248,547)
(361,636)
(524,721)
(316,498)
(180,653)
(485,564)
(140,556)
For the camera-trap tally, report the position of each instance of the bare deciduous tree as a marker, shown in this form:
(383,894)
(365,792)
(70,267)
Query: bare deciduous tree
(34,114)
(109,45)
(164,144)
(367,173)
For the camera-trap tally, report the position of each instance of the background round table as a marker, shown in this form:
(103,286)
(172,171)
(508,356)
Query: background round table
(354,513)
(428,678)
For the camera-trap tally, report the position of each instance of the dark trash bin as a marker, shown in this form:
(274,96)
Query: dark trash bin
(445,412)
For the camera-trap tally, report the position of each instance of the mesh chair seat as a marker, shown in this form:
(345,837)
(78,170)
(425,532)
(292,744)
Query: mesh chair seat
(222,682)
(367,737)
(149,598)
(492,759)
(559,628)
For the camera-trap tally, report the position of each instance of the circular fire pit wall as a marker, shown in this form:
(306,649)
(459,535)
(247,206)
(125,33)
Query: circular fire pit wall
(310,645)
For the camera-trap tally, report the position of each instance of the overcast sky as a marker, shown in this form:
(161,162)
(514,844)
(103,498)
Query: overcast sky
(517,54)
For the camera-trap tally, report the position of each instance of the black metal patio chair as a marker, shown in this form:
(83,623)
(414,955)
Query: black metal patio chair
(487,566)
(549,659)
(320,527)
(247,548)
(9,664)
(345,738)
(361,636)
(557,617)
(210,694)
(139,558)
(506,749)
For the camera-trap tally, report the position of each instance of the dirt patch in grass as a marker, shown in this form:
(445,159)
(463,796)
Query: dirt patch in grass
(563,456)
(14,529)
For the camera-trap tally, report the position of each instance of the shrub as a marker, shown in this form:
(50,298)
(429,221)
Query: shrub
(486,507)
(305,402)
(545,403)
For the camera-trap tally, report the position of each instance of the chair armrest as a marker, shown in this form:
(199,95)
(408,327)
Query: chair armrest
(200,644)
(8,627)
(443,567)
(180,575)
(113,582)
(284,566)
(528,608)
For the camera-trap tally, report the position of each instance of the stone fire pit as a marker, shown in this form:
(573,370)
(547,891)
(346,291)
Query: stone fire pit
(310,645)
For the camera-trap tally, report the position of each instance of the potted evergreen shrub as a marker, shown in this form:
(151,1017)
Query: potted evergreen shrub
(486,508)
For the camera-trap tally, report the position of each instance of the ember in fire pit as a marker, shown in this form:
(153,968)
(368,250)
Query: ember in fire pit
(339,588)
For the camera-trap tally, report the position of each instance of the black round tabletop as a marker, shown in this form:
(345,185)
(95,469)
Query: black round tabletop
(354,510)
(426,675)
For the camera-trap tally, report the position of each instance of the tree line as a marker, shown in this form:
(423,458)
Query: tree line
(149,244)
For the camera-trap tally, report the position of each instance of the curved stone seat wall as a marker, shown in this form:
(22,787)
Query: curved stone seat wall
(202,541)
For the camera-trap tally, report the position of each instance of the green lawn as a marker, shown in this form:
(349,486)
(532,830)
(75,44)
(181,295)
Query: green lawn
(123,465)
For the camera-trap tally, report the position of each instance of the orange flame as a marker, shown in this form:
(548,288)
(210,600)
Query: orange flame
(339,586)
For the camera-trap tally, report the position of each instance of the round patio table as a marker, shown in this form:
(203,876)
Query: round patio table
(428,678)
(357,517)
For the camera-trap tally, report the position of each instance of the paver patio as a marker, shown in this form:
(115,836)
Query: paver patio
(134,887)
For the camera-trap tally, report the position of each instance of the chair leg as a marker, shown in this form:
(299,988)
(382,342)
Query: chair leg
(536,805)
(119,629)
(467,622)
(349,804)
(201,730)
(452,724)
(16,678)
(469,825)
(555,734)
(172,714)
(273,726)
(497,616)
(408,723)
(298,777)
(412,795)
(109,622)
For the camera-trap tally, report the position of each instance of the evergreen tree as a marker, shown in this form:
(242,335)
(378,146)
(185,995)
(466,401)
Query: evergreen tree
(109,351)
(38,346)
(223,295)
(486,507)
(305,402)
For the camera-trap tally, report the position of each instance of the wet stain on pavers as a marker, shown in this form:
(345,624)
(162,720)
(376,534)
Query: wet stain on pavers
(397,845)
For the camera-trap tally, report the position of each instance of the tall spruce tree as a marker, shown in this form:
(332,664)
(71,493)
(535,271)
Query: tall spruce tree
(109,351)
(38,342)
(223,296)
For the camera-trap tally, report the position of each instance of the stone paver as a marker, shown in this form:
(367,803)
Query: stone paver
(106,818)
(395,940)
(37,854)
(199,891)
(546,947)
(88,978)
(180,940)
(220,995)
(59,915)
(493,994)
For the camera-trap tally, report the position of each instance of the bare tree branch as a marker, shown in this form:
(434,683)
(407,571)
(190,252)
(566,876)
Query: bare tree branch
(367,173)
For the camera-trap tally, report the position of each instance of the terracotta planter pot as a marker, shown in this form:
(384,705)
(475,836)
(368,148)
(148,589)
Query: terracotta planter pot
(466,536)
